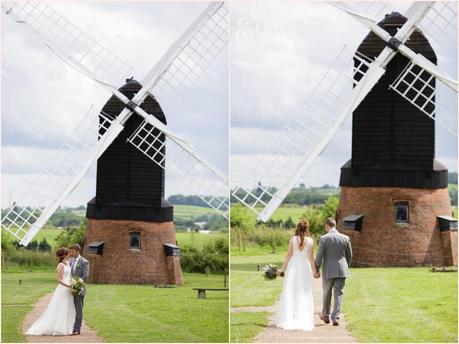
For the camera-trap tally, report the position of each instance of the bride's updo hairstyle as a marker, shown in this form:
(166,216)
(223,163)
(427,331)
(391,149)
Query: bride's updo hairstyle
(302,230)
(61,253)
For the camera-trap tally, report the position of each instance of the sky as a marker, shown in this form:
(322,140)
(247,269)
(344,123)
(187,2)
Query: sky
(279,52)
(43,99)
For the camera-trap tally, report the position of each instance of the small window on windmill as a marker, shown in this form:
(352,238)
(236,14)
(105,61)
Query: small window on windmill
(353,222)
(171,250)
(402,212)
(96,247)
(134,240)
(447,223)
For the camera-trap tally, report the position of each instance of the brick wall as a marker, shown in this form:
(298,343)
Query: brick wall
(382,242)
(120,264)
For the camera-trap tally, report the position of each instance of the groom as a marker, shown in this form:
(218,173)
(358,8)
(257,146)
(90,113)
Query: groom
(336,252)
(80,269)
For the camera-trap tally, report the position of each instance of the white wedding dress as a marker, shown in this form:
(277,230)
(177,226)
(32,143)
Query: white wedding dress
(59,316)
(296,307)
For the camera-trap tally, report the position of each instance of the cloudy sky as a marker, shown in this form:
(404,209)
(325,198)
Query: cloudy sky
(279,51)
(43,99)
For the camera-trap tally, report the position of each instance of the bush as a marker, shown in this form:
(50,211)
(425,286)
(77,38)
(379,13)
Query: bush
(23,257)
(43,246)
(72,235)
(212,258)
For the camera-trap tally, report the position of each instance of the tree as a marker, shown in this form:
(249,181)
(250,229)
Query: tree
(241,222)
(72,235)
(43,246)
(329,207)
(32,245)
(289,223)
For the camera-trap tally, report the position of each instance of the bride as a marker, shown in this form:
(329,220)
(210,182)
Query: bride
(59,316)
(296,308)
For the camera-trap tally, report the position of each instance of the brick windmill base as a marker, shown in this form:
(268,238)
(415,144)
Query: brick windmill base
(118,263)
(382,242)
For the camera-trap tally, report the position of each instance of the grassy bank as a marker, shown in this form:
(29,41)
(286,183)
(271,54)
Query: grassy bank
(402,305)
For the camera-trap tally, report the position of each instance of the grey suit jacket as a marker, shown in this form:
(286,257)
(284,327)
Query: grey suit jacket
(336,253)
(81,270)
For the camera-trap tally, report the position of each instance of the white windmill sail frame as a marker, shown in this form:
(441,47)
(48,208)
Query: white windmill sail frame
(409,27)
(190,55)
(117,125)
(70,164)
(69,43)
(440,24)
(415,13)
(305,135)
(409,83)
(210,185)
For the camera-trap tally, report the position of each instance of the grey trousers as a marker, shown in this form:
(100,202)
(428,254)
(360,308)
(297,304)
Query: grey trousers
(336,285)
(78,301)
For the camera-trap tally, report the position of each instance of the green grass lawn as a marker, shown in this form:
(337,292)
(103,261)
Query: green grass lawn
(246,326)
(197,240)
(128,313)
(50,235)
(381,304)
(17,300)
(402,305)
(248,287)
(284,212)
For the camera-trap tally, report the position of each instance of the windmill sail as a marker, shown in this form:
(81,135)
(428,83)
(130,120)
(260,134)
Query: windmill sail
(67,41)
(186,61)
(185,165)
(25,221)
(417,81)
(25,218)
(180,68)
(264,197)
(306,134)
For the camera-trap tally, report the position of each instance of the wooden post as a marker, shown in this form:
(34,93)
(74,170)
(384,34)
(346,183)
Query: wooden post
(201,294)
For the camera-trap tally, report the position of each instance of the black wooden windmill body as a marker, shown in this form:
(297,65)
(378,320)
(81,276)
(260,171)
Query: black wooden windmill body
(130,236)
(393,189)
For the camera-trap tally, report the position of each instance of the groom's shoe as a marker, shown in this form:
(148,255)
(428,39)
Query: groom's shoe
(75,333)
(324,319)
(335,322)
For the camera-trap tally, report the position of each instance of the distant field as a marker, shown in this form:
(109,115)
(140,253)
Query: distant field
(197,240)
(284,212)
(190,211)
(49,234)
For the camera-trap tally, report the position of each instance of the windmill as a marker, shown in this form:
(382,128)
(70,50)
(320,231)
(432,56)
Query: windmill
(133,121)
(346,88)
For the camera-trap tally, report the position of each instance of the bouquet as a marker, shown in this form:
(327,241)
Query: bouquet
(270,272)
(77,286)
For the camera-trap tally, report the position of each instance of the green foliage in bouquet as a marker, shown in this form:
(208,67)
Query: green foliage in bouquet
(77,286)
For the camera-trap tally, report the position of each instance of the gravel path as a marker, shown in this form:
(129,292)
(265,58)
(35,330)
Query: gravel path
(322,333)
(87,335)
